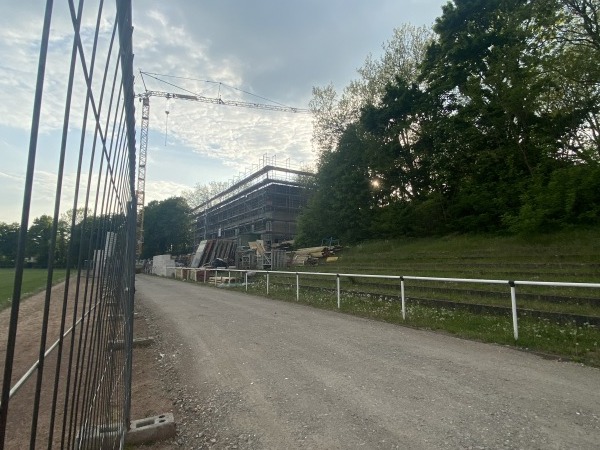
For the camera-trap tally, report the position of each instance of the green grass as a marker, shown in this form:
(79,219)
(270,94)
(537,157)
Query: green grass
(34,281)
(568,255)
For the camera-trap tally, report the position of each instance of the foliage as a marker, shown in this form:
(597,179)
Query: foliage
(493,126)
(333,112)
(71,230)
(569,255)
(39,240)
(570,195)
(341,205)
(9,236)
(167,227)
(203,192)
(89,234)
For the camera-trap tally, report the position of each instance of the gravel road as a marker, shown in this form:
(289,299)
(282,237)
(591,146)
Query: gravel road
(281,375)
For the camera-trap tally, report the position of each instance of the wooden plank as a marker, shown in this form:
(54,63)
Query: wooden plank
(198,254)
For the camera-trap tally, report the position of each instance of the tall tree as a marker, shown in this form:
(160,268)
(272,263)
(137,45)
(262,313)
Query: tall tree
(38,240)
(9,236)
(333,112)
(203,192)
(577,34)
(486,70)
(400,156)
(167,227)
(342,198)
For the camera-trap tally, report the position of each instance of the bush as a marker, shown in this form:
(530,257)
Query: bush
(568,196)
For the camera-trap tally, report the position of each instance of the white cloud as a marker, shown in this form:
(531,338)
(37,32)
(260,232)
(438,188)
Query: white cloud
(278,50)
(161,190)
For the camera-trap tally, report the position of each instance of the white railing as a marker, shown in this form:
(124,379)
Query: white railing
(512,284)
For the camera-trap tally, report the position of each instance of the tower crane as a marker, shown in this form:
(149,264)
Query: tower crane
(145,99)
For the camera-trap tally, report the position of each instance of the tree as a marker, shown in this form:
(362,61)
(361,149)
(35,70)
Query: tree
(486,71)
(167,227)
(203,192)
(39,236)
(79,213)
(333,112)
(577,34)
(9,237)
(342,198)
(90,234)
(400,160)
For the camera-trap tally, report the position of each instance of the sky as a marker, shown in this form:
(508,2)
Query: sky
(276,50)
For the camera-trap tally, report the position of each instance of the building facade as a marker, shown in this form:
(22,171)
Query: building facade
(262,205)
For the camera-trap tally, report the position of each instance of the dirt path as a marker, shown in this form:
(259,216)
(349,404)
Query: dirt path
(248,372)
(149,397)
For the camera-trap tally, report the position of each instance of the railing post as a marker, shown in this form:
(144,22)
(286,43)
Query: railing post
(297,287)
(216,274)
(246,276)
(402,297)
(513,298)
(267,283)
(337,276)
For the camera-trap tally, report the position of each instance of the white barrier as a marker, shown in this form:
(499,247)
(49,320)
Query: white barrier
(512,284)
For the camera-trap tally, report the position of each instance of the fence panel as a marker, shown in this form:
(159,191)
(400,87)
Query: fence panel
(67,361)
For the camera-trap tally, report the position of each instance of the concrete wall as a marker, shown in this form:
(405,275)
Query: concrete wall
(163,265)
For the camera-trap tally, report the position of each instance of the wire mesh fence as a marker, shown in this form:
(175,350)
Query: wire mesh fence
(66,352)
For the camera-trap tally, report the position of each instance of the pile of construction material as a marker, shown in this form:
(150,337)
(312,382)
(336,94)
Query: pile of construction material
(257,256)
(311,256)
(213,250)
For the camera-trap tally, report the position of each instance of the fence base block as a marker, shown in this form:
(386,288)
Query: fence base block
(151,429)
(137,342)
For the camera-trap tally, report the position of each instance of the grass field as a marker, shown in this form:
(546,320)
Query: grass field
(34,280)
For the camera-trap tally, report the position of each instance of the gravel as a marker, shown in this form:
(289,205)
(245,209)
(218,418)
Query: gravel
(252,373)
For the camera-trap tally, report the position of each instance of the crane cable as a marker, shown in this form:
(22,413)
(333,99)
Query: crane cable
(157,75)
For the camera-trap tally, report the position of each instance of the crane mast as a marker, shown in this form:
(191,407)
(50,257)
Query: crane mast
(145,98)
(141,181)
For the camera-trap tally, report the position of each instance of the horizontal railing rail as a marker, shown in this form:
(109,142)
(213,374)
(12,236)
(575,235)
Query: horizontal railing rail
(512,284)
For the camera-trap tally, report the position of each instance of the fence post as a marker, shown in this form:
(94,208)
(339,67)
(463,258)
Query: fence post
(216,275)
(246,276)
(513,298)
(297,287)
(267,283)
(402,297)
(337,276)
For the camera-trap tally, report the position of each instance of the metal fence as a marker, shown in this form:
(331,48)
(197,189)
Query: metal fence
(511,285)
(78,392)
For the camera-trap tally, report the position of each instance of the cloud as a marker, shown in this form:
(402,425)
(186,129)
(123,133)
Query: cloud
(161,190)
(278,50)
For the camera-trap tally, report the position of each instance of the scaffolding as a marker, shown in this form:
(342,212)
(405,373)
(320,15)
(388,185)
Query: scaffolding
(263,204)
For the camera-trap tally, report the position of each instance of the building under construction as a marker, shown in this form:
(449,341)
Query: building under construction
(261,205)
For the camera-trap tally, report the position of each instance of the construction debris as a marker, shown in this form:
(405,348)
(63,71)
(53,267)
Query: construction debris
(212,249)
(311,256)
(256,256)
